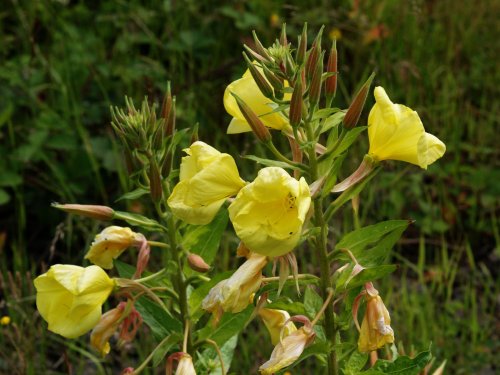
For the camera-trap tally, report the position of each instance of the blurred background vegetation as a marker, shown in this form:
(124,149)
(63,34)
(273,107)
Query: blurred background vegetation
(63,63)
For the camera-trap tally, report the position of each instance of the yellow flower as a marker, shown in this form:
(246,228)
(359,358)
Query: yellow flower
(185,366)
(102,332)
(5,320)
(288,350)
(69,298)
(207,178)
(396,133)
(234,294)
(110,244)
(376,328)
(268,213)
(275,323)
(249,92)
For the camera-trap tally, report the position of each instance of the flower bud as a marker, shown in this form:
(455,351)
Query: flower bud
(197,263)
(93,211)
(259,79)
(253,120)
(259,48)
(283,39)
(331,67)
(275,81)
(315,87)
(354,112)
(302,46)
(296,104)
(314,52)
(155,186)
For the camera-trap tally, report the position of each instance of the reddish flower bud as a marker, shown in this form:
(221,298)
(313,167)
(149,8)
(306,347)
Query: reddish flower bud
(354,112)
(93,211)
(314,53)
(253,120)
(331,67)
(197,263)
(315,87)
(296,104)
(302,46)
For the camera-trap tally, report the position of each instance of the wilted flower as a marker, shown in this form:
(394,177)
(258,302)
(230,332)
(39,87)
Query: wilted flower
(233,294)
(185,366)
(110,244)
(107,326)
(375,329)
(249,92)
(275,323)
(70,298)
(396,133)
(207,178)
(288,350)
(268,213)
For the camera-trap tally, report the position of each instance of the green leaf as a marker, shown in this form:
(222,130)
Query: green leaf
(134,194)
(6,113)
(333,121)
(325,112)
(372,244)
(161,322)
(355,363)
(9,178)
(204,240)
(229,325)
(312,302)
(138,220)
(4,197)
(284,303)
(348,140)
(270,162)
(163,349)
(227,353)
(366,275)
(125,270)
(403,365)
(333,170)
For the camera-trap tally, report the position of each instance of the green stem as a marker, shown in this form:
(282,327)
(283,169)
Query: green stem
(321,248)
(282,157)
(335,145)
(152,276)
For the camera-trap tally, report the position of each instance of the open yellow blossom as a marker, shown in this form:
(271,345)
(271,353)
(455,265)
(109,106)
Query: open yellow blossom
(275,323)
(376,328)
(185,366)
(397,133)
(70,298)
(207,178)
(234,294)
(110,244)
(5,320)
(249,92)
(268,213)
(288,350)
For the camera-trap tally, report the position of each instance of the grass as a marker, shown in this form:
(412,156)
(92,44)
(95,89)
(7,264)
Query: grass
(65,64)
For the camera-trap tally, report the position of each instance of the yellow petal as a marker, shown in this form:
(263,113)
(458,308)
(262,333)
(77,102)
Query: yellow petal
(430,148)
(275,323)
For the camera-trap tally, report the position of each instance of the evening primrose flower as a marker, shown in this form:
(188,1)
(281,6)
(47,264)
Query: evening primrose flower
(110,244)
(397,133)
(70,298)
(234,294)
(5,320)
(268,213)
(288,350)
(185,366)
(275,323)
(246,89)
(207,178)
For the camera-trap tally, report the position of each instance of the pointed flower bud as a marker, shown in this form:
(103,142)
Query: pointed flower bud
(271,232)
(275,81)
(155,185)
(277,323)
(70,298)
(259,48)
(288,350)
(93,211)
(331,67)
(283,39)
(296,104)
(111,243)
(233,294)
(376,328)
(197,263)
(253,120)
(396,132)
(207,178)
(302,46)
(353,114)
(314,53)
(259,79)
(315,88)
